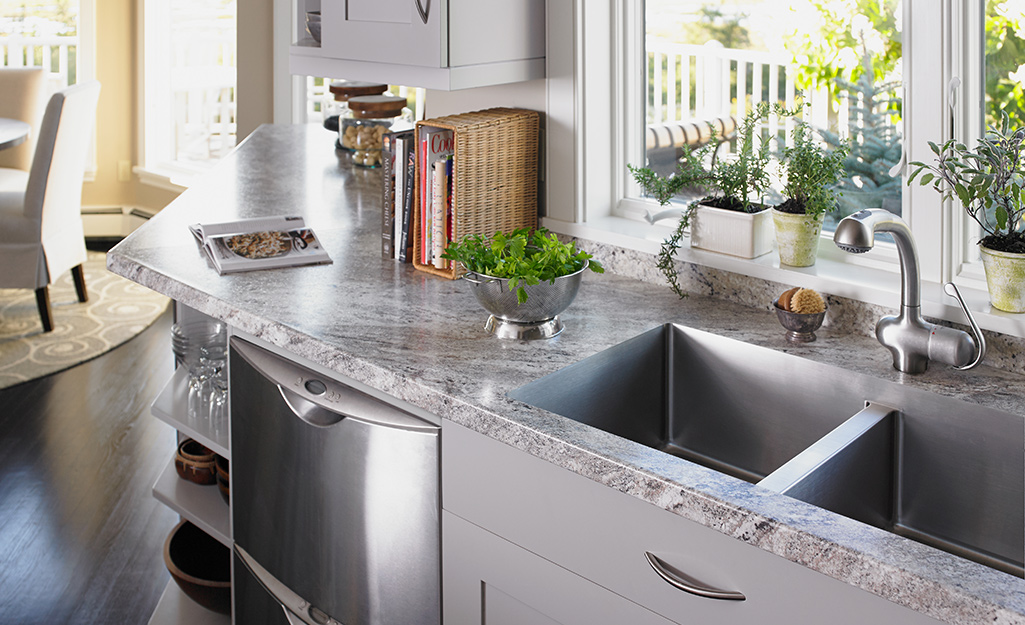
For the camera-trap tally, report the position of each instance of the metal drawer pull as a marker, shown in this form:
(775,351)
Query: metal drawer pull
(687,583)
(423,11)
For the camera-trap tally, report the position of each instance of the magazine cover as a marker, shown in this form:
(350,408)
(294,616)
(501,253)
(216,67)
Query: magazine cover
(260,243)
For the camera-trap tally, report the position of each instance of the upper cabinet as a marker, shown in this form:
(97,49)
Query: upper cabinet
(436,44)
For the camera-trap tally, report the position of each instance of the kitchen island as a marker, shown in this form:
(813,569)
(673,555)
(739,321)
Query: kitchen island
(420,339)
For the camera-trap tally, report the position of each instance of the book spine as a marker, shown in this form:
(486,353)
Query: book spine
(449,183)
(398,183)
(424,223)
(438,214)
(406,251)
(387,208)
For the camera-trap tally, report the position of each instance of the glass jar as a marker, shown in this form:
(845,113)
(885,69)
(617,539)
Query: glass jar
(372,117)
(339,109)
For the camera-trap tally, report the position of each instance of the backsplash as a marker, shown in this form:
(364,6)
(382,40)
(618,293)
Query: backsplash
(844,316)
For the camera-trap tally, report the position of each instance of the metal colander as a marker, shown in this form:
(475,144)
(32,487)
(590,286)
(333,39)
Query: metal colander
(544,300)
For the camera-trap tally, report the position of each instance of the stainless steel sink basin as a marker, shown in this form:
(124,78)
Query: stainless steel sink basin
(734,407)
(936,469)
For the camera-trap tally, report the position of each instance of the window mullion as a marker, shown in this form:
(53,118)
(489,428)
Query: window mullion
(926,30)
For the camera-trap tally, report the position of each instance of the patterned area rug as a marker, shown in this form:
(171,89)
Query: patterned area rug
(117,310)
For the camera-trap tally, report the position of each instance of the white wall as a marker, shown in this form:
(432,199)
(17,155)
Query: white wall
(526,95)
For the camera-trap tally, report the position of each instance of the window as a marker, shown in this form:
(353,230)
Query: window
(320,101)
(710,63)
(996,58)
(56,36)
(188,117)
(599,106)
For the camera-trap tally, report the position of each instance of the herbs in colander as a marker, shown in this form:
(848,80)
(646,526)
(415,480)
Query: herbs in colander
(521,257)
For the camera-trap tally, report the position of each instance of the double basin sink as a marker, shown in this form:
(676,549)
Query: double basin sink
(934,469)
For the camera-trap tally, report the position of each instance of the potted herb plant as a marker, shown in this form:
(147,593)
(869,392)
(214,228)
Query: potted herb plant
(809,173)
(989,181)
(524,279)
(730,219)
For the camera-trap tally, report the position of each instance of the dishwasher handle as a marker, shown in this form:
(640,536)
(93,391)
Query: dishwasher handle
(318,399)
(295,607)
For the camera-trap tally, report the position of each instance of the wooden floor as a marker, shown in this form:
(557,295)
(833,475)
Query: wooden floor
(81,537)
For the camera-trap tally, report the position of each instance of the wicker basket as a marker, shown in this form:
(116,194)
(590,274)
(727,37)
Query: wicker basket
(494,176)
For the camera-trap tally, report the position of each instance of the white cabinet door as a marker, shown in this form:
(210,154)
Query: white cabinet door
(401,32)
(603,535)
(490,580)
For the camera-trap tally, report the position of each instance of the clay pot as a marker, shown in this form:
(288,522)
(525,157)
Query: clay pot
(200,565)
(1005,277)
(797,238)
(195,463)
(221,464)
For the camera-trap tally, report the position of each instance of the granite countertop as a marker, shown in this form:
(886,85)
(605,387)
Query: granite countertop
(420,338)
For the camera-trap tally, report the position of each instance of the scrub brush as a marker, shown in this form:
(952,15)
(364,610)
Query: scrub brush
(807,302)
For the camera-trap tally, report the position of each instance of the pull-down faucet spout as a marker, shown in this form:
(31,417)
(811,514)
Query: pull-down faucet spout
(912,341)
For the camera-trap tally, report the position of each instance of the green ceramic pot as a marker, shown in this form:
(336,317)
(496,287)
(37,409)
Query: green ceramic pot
(1005,276)
(797,238)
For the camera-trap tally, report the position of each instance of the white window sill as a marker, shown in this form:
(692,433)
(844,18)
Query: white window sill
(169,176)
(878,285)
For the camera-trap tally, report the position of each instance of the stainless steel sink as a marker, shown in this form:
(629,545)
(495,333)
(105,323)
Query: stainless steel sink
(935,469)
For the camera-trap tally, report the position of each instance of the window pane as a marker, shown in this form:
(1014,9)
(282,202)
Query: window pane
(202,64)
(1005,61)
(41,34)
(710,62)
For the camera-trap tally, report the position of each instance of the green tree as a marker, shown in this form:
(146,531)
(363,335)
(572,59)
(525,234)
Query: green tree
(822,56)
(1005,55)
(714,24)
(874,142)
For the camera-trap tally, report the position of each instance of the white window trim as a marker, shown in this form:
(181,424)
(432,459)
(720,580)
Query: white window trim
(588,99)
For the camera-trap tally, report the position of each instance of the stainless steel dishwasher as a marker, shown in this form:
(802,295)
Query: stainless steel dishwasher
(335,500)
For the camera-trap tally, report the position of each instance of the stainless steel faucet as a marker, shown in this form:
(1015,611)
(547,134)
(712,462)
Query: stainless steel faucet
(911,339)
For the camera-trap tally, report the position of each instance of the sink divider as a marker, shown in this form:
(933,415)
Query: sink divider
(850,471)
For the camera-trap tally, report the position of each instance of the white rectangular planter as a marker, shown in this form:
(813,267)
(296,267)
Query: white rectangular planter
(747,235)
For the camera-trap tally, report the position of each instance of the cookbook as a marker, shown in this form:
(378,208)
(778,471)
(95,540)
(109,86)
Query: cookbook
(260,243)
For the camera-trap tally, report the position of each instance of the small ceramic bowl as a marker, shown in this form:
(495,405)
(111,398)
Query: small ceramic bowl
(200,565)
(221,464)
(800,326)
(195,463)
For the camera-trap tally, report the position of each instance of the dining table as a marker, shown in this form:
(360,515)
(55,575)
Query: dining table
(13,132)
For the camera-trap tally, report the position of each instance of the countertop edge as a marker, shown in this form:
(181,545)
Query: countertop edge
(946,601)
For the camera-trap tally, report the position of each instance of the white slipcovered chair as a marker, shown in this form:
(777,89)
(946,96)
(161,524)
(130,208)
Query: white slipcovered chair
(41,233)
(22,97)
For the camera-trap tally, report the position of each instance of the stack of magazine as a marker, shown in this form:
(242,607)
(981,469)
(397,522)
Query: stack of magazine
(260,243)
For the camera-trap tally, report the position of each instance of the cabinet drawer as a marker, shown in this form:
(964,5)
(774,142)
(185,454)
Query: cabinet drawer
(602,535)
(490,580)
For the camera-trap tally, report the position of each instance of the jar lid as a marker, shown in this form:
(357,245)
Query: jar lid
(377,106)
(345,89)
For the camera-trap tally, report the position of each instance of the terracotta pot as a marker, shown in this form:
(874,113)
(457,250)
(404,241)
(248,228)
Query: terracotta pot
(1005,277)
(797,238)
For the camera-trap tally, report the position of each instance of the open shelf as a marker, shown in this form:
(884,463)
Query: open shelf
(200,504)
(175,608)
(172,407)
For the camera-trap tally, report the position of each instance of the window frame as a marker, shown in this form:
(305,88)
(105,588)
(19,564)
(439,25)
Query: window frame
(155,140)
(593,88)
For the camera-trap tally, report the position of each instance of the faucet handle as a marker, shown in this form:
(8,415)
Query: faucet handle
(980,341)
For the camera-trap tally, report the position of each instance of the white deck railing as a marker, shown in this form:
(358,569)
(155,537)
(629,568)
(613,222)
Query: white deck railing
(703,82)
(204,94)
(51,53)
